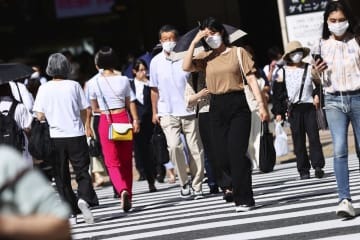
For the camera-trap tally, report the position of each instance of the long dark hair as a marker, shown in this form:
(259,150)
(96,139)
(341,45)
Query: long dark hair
(340,5)
(216,26)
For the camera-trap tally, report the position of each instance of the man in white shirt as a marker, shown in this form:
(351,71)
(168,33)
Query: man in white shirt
(167,82)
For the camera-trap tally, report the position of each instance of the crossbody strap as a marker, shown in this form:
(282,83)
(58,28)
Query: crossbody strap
(303,82)
(108,113)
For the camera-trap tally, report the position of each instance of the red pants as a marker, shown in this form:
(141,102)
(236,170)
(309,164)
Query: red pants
(117,154)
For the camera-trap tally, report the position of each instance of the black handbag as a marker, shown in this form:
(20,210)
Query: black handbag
(40,145)
(320,113)
(267,155)
(159,145)
(94,148)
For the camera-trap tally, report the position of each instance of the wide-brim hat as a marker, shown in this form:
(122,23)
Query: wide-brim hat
(295,46)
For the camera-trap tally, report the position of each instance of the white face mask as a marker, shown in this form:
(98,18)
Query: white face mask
(296,57)
(214,41)
(168,46)
(339,28)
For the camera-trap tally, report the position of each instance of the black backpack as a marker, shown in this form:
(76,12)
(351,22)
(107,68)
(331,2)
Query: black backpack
(10,133)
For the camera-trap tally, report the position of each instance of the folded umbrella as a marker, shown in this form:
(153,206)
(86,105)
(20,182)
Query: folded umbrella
(14,71)
(185,40)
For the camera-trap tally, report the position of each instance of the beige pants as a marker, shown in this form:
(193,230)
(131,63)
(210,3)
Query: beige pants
(172,127)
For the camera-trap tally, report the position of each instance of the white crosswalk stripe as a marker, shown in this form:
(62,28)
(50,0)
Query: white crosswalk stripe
(286,208)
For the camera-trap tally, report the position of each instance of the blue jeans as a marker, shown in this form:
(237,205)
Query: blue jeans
(340,111)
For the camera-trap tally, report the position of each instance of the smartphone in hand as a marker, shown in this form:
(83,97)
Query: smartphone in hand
(316,57)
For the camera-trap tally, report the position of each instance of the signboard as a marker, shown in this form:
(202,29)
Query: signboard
(76,8)
(303,20)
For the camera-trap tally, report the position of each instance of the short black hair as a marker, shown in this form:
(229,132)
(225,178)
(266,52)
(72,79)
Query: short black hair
(106,58)
(169,28)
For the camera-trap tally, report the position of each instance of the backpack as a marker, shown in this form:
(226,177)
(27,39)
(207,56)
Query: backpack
(10,133)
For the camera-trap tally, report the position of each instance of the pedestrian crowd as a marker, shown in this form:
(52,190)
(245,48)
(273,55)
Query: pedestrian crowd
(198,101)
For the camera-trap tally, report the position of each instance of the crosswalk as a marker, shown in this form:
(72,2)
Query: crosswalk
(286,208)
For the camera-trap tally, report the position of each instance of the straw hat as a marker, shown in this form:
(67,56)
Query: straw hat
(295,46)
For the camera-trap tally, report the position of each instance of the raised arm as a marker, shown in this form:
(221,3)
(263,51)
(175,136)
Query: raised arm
(187,62)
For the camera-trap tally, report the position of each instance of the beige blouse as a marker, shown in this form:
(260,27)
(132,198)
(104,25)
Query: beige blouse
(343,60)
(223,71)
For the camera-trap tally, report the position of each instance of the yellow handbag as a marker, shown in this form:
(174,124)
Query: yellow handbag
(120,132)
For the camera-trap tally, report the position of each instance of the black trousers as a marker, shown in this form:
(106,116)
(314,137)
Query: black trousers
(144,157)
(76,150)
(230,122)
(303,122)
(204,129)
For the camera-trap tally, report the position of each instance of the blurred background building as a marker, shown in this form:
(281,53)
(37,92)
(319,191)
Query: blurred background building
(30,30)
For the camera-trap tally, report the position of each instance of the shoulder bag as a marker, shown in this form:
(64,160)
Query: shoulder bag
(250,98)
(117,131)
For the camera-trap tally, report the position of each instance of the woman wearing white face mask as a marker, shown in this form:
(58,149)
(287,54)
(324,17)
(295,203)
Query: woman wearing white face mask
(230,117)
(295,86)
(340,50)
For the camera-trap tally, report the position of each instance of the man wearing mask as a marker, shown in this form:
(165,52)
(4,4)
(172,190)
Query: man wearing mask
(167,82)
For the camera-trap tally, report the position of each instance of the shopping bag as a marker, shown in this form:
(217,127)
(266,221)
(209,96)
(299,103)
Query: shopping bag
(281,140)
(267,154)
(120,132)
(159,145)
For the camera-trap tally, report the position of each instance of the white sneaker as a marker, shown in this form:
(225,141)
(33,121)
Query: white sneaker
(185,191)
(244,208)
(73,219)
(345,209)
(84,208)
(198,195)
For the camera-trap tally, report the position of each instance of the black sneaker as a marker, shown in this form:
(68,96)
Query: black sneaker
(304,176)
(228,196)
(319,173)
(214,189)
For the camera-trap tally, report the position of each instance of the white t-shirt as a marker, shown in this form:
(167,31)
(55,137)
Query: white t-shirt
(61,102)
(23,118)
(139,88)
(170,79)
(27,98)
(113,88)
